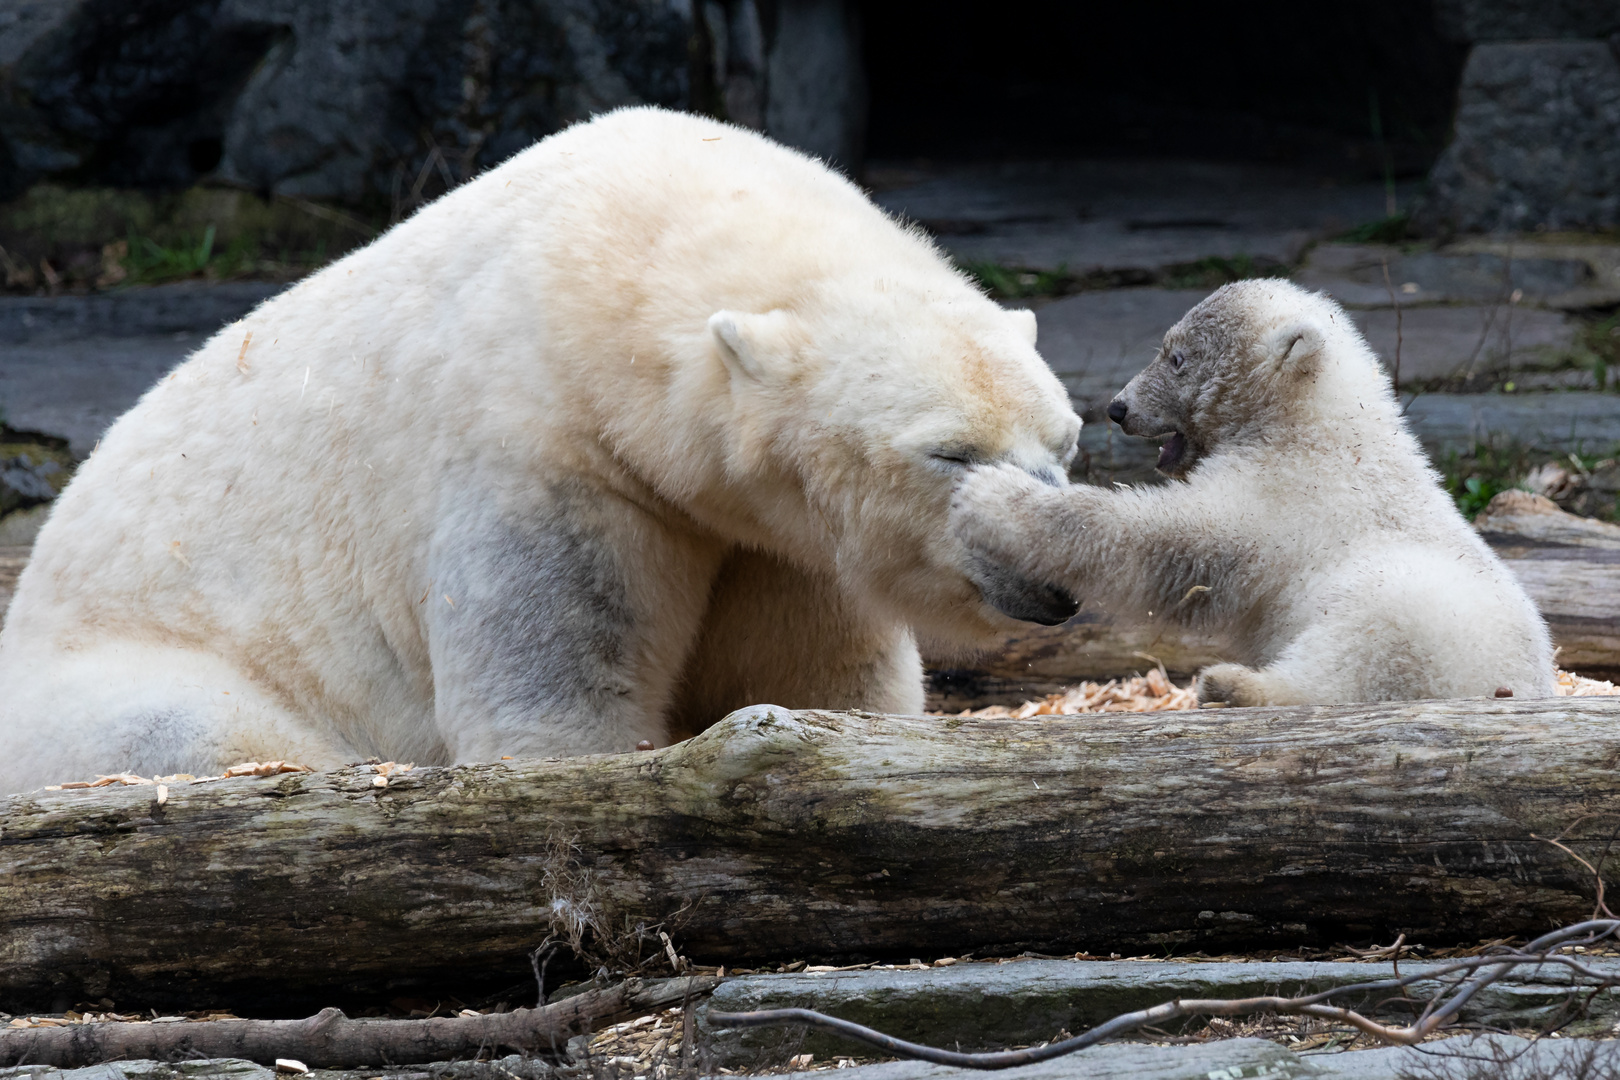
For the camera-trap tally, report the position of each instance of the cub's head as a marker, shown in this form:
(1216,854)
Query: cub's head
(867,406)
(1245,361)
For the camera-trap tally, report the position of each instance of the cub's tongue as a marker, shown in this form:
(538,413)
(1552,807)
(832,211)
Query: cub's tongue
(1171,449)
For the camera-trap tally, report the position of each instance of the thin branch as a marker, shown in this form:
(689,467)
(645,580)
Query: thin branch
(1389,288)
(1486,970)
(546,949)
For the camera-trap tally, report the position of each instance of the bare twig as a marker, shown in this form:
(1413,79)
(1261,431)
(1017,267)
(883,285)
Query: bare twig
(1396,304)
(1440,1010)
(1599,907)
(539,960)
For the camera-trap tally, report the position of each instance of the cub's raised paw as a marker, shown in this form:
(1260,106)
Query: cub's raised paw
(990,503)
(1228,684)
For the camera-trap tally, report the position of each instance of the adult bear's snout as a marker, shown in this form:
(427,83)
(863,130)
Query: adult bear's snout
(1117,410)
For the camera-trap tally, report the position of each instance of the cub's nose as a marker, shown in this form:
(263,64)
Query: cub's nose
(1117,411)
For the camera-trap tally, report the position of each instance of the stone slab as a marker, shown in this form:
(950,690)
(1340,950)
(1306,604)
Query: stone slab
(1121,216)
(1232,1059)
(1448,342)
(1241,1059)
(983,1006)
(195,307)
(1114,247)
(1566,276)
(76,388)
(1581,422)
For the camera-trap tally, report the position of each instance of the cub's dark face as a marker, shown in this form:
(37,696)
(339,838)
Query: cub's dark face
(1235,368)
(1162,402)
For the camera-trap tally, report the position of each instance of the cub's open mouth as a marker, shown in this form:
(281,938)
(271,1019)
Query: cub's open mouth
(1171,450)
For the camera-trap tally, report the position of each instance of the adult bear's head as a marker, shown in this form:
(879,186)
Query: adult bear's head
(861,407)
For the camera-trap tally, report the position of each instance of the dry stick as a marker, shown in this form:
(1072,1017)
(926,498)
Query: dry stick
(1487,969)
(546,948)
(1389,288)
(331,1039)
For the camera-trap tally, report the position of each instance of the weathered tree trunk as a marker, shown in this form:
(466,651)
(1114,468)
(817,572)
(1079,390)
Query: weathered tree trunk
(823,835)
(1569,565)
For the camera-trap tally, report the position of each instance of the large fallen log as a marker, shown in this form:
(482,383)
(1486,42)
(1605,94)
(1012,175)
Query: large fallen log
(822,835)
(1569,565)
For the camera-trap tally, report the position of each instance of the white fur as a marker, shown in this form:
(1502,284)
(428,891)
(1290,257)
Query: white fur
(1311,533)
(632,430)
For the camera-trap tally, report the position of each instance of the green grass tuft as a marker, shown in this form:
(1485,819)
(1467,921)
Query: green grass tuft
(1597,349)
(1390,230)
(1007,283)
(1217,270)
(149,262)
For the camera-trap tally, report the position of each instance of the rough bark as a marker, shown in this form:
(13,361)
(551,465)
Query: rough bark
(1569,565)
(330,1039)
(823,835)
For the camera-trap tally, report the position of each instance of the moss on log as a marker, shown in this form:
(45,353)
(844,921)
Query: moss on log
(824,835)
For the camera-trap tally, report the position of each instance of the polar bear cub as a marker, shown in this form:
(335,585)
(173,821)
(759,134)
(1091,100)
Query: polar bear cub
(1303,524)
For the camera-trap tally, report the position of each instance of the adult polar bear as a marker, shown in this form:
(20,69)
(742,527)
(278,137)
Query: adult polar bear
(655,420)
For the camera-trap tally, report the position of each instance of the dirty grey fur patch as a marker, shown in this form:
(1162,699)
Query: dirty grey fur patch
(540,615)
(158,742)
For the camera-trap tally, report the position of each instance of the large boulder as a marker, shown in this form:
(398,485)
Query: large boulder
(34,468)
(388,102)
(1536,143)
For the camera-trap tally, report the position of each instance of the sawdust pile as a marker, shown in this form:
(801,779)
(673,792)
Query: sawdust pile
(1573,685)
(1154,692)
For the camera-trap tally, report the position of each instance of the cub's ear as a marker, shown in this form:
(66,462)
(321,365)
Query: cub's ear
(756,346)
(1294,344)
(1024,320)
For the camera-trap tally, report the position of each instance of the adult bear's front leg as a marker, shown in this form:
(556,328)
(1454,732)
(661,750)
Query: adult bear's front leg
(558,624)
(779,635)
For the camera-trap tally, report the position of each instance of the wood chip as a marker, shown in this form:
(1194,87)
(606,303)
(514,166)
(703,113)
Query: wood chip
(1154,692)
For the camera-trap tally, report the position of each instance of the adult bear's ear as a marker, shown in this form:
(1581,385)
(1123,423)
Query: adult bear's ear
(1294,344)
(755,345)
(1024,320)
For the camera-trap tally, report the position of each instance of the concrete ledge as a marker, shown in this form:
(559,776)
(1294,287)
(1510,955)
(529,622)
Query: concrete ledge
(159,309)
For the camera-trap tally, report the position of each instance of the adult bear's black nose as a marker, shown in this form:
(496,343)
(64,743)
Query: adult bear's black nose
(1117,411)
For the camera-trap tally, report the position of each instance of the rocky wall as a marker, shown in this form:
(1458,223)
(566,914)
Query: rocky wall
(391,101)
(1536,141)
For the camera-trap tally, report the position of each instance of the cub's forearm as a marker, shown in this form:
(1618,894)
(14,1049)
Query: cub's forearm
(1138,553)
